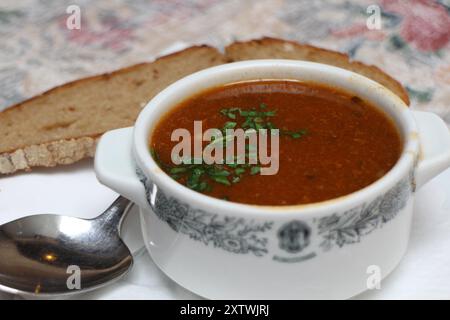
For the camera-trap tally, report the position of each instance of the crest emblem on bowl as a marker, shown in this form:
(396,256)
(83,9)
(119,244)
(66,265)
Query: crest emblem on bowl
(294,236)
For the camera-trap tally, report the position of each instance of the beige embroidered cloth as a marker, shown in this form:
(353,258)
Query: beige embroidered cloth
(38,51)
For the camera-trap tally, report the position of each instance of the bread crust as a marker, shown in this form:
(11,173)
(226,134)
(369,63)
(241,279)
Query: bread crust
(290,49)
(67,151)
(48,154)
(105,75)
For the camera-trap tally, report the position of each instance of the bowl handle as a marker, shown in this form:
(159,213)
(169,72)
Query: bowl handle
(115,166)
(434,138)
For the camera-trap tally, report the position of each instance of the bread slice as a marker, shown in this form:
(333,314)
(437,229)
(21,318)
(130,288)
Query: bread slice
(62,125)
(272,48)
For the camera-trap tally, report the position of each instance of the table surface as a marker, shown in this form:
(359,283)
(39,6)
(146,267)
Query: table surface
(38,51)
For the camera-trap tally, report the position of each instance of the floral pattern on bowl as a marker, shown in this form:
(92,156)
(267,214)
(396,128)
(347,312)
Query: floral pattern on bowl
(242,236)
(231,234)
(340,229)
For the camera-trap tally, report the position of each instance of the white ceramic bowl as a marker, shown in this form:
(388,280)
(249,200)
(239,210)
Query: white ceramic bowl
(328,250)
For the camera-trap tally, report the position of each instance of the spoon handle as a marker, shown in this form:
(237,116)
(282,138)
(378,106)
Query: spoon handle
(111,219)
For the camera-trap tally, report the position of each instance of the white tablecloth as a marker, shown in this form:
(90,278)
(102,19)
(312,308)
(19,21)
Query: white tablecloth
(423,273)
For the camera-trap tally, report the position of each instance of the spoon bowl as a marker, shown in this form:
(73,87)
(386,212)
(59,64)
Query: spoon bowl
(49,254)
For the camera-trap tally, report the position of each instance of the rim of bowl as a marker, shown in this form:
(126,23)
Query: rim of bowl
(151,114)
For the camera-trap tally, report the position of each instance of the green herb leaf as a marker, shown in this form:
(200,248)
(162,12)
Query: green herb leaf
(255,170)
(218,172)
(231,115)
(229,125)
(221,179)
(270,113)
(294,134)
(197,175)
(176,170)
(202,186)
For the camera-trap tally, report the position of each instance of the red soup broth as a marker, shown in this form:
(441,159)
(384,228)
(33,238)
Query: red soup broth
(345,143)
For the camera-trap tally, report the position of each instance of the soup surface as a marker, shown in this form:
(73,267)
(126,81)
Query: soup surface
(331,143)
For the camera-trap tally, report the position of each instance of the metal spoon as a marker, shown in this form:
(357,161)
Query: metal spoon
(50,255)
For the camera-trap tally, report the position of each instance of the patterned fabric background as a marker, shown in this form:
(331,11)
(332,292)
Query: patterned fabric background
(38,51)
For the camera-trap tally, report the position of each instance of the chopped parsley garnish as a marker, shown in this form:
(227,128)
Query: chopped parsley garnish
(201,176)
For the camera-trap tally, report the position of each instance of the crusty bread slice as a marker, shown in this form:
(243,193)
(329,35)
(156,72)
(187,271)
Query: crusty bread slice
(272,48)
(62,125)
